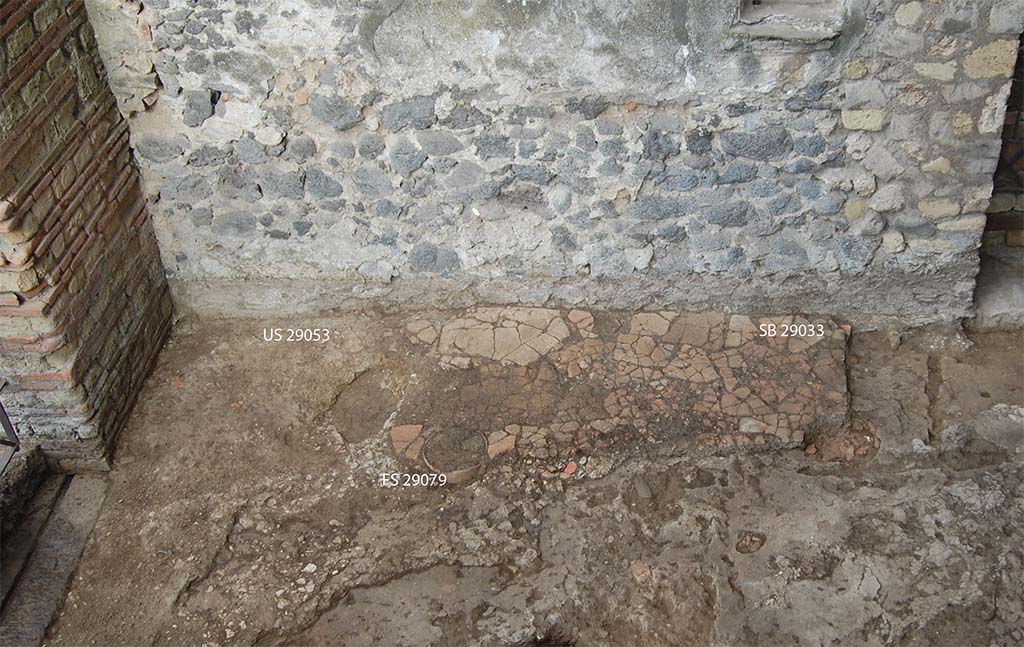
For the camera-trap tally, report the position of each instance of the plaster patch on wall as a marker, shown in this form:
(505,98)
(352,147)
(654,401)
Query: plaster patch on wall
(795,20)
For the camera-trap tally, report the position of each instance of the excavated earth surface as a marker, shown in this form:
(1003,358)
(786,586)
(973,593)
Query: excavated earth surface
(652,478)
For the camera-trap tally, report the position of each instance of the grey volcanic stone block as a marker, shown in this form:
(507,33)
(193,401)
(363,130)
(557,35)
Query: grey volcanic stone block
(661,207)
(406,157)
(729,214)
(372,182)
(415,112)
(438,143)
(588,107)
(429,258)
(738,172)
(300,147)
(239,224)
(698,141)
(463,117)
(370,146)
(335,111)
(283,185)
(809,146)
(320,185)
(198,107)
(158,149)
(769,143)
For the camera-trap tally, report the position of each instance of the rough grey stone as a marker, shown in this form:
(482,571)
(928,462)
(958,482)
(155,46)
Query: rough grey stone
(198,107)
(372,182)
(207,156)
(801,165)
(438,143)
(738,172)
(370,146)
(785,254)
(158,149)
(608,127)
(704,243)
(528,148)
(563,239)
(882,163)
(809,146)
(761,225)
(248,23)
(672,234)
(810,98)
(283,185)
(414,112)
(855,252)
(659,145)
(783,204)
(729,214)
(300,147)
(491,145)
(610,168)
(867,93)
(235,183)
(388,209)
(767,143)
(250,151)
(406,157)
(661,207)
(810,189)
(335,111)
(698,141)
(521,114)
(762,188)
(430,258)
(613,148)
(683,179)
(463,117)
(319,185)
(738,109)
(465,174)
(512,144)
(536,173)
(585,139)
(560,198)
(201,217)
(831,204)
(725,261)
(342,150)
(588,107)
(238,224)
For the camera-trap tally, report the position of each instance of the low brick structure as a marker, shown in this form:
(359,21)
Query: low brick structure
(84,306)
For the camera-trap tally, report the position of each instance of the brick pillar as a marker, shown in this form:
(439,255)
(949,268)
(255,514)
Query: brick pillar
(84,306)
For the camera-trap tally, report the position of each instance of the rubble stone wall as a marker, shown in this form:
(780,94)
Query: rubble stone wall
(832,157)
(84,304)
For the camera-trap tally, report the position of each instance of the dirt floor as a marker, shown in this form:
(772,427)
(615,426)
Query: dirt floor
(609,479)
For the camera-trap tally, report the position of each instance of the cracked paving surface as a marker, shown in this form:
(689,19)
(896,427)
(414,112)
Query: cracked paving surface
(553,387)
(245,509)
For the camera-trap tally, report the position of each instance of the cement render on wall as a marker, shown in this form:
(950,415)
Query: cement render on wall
(303,155)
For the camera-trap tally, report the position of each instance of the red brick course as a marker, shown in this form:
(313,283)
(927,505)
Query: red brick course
(84,306)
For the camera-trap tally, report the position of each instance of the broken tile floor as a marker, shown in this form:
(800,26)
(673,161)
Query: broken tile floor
(652,478)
